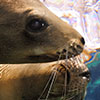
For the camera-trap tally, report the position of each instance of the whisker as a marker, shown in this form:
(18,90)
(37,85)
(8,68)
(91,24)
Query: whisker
(66,60)
(71,97)
(80,97)
(66,57)
(67,54)
(74,90)
(74,96)
(65,86)
(54,76)
(78,60)
(51,76)
(59,58)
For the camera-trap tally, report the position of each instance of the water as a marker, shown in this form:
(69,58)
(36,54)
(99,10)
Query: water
(84,16)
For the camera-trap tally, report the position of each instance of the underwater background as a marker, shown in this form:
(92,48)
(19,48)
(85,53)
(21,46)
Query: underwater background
(84,16)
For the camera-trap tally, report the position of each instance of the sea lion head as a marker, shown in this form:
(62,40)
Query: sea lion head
(30,33)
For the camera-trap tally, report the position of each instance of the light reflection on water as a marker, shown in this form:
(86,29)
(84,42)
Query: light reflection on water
(84,16)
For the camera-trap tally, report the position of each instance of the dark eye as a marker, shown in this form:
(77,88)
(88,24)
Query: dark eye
(36,25)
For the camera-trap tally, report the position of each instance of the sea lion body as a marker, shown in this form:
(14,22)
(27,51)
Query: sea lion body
(30,38)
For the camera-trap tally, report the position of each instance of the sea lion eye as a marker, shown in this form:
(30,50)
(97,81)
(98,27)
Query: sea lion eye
(36,25)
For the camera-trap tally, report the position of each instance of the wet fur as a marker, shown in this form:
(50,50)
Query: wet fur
(20,81)
(19,45)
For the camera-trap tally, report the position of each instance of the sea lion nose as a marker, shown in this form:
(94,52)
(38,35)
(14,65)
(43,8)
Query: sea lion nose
(86,75)
(82,40)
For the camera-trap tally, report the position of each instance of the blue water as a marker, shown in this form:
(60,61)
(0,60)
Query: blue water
(93,90)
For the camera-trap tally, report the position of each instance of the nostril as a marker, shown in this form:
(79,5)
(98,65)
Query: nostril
(64,51)
(85,74)
(82,40)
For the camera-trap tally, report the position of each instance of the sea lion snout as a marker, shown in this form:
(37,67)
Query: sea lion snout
(86,75)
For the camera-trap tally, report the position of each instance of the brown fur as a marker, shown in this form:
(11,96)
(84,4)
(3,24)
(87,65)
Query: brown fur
(17,45)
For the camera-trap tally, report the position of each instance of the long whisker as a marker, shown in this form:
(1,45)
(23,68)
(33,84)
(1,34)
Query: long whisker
(65,86)
(66,55)
(80,97)
(54,76)
(55,73)
(59,58)
(71,97)
(65,81)
(46,86)
(72,90)
(78,60)
(74,95)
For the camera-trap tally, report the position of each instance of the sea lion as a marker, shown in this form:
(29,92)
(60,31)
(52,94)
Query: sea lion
(33,47)
(29,32)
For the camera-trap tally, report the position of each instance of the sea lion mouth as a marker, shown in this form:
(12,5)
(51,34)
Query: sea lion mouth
(72,50)
(53,57)
(69,79)
(46,58)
